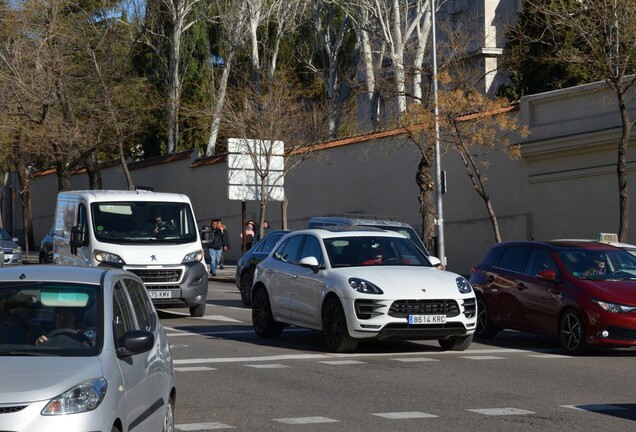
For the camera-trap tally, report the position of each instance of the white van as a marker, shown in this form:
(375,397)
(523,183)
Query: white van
(151,234)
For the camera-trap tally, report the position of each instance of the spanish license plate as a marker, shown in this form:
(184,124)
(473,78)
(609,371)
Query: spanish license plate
(159,294)
(427,319)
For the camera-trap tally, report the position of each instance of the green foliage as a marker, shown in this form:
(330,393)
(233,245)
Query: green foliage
(532,53)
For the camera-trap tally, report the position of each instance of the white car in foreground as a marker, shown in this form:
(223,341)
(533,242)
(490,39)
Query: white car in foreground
(357,284)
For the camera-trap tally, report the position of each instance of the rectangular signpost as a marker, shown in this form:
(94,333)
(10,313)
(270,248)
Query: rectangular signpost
(248,161)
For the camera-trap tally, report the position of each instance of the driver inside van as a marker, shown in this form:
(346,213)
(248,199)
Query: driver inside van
(159,224)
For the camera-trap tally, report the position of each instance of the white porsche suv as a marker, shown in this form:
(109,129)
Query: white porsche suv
(360,283)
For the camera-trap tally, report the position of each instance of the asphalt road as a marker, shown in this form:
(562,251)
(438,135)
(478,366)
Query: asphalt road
(228,378)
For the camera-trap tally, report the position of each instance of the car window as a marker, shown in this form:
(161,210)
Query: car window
(123,317)
(513,258)
(539,260)
(290,250)
(268,243)
(312,248)
(141,304)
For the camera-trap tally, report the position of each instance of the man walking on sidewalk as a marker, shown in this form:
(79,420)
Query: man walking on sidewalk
(217,245)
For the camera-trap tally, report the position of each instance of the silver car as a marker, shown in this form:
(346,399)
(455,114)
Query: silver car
(10,247)
(82,348)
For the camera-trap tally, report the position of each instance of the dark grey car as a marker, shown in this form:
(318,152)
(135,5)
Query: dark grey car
(247,263)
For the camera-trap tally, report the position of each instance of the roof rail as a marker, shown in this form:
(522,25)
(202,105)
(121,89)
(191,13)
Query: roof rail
(361,216)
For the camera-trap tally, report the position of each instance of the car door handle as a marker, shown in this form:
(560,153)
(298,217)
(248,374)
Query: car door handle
(293,275)
(521,287)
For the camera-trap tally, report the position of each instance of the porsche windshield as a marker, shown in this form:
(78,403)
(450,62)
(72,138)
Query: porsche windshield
(367,250)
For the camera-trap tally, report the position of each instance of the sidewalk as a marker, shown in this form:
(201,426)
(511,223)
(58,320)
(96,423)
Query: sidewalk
(225,275)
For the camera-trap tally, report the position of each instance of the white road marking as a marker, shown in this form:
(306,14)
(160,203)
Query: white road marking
(306,420)
(327,356)
(202,426)
(268,366)
(501,411)
(341,362)
(404,415)
(194,369)
(415,359)
(222,318)
(550,356)
(483,357)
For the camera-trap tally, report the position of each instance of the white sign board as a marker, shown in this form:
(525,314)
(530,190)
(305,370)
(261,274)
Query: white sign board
(248,161)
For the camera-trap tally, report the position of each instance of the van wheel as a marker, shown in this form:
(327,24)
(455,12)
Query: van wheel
(334,327)
(198,310)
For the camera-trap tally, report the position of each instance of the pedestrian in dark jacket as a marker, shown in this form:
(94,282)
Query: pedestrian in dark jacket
(217,245)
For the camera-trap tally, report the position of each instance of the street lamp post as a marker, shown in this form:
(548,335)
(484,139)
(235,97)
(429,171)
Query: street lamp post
(439,220)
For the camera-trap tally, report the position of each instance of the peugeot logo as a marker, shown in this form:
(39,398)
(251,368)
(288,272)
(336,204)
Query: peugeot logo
(153,257)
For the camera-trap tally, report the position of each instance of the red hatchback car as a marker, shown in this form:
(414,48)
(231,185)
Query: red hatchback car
(583,293)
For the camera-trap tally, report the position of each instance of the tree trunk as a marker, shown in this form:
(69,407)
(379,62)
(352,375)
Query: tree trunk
(283,213)
(92,169)
(218,108)
(426,185)
(621,170)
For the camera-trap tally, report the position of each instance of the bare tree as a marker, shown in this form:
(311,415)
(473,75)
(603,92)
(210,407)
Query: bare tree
(603,46)
(276,114)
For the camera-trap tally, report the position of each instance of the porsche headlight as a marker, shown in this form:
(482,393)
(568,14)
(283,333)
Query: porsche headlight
(364,286)
(82,398)
(614,307)
(463,285)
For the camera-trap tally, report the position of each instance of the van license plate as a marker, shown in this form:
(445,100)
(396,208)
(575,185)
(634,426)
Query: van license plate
(159,294)
(427,319)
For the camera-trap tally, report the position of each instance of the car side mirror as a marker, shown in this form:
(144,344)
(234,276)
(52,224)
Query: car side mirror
(549,275)
(310,262)
(135,342)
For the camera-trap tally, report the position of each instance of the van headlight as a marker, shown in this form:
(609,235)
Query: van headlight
(107,257)
(193,256)
(82,398)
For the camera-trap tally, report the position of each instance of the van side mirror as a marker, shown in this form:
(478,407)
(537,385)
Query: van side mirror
(77,238)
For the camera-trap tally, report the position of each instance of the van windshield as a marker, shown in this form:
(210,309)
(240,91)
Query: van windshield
(143,222)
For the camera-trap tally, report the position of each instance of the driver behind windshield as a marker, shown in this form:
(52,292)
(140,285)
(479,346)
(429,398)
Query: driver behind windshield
(68,331)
